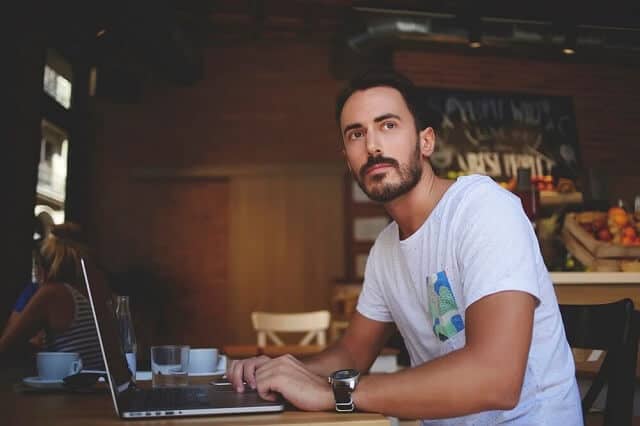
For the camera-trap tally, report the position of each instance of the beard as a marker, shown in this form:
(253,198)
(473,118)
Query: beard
(410,175)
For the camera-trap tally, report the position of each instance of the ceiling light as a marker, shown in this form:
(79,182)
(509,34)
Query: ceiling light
(475,35)
(570,40)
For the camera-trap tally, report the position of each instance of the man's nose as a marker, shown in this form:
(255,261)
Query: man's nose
(374,146)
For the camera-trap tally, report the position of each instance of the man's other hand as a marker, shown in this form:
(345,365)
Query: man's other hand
(244,371)
(289,377)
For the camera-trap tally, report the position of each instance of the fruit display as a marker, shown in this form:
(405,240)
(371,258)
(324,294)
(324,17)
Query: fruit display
(615,226)
(540,183)
(509,185)
(603,240)
(543,183)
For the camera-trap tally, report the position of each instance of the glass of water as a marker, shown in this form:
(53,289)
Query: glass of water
(170,365)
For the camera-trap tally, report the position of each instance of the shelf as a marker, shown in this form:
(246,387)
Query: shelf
(553,198)
(606,278)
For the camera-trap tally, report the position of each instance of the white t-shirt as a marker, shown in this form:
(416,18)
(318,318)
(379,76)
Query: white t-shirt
(476,242)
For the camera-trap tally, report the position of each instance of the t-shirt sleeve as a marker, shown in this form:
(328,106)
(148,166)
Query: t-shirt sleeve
(28,292)
(371,302)
(498,249)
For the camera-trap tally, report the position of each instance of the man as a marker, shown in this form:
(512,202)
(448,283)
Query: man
(459,272)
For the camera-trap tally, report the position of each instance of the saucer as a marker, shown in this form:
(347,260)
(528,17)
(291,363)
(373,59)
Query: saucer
(37,382)
(143,375)
(208,373)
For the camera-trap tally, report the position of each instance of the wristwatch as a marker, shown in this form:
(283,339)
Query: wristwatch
(344,382)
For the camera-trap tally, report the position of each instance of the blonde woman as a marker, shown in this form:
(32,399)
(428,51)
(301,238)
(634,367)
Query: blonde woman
(59,306)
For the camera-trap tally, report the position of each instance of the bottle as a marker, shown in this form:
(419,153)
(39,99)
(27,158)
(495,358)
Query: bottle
(622,204)
(528,195)
(127,334)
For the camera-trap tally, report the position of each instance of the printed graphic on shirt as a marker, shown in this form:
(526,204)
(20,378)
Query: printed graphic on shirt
(447,321)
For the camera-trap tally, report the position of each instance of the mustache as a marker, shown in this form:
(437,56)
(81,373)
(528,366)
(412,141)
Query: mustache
(372,161)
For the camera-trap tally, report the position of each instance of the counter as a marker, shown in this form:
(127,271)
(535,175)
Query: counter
(596,287)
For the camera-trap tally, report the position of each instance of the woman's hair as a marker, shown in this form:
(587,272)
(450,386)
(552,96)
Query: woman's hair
(60,253)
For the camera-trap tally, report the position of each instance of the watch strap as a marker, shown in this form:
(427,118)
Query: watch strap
(345,407)
(342,395)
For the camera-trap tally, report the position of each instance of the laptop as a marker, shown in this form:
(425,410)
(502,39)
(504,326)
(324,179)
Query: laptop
(132,402)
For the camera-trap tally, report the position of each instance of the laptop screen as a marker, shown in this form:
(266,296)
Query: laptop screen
(105,320)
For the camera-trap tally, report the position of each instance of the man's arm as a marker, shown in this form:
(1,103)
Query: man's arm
(487,374)
(304,383)
(357,348)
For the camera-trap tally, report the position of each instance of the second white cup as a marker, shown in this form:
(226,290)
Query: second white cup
(206,361)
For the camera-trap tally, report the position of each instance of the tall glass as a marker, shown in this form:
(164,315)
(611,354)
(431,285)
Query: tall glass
(170,365)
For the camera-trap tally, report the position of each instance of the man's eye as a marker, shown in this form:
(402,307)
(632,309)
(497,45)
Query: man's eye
(389,125)
(356,134)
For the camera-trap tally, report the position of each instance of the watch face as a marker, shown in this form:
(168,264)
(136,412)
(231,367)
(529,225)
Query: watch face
(344,374)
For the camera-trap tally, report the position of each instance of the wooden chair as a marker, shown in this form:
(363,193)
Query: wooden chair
(315,324)
(344,299)
(610,327)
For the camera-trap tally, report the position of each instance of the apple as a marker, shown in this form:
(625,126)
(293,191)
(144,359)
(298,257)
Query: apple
(629,231)
(587,226)
(603,234)
(599,223)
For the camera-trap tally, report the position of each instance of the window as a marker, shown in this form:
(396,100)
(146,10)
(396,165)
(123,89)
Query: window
(57,79)
(52,171)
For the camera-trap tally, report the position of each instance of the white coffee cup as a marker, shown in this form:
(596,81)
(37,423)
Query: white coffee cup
(58,365)
(206,361)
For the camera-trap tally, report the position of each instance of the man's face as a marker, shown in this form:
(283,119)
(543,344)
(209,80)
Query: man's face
(381,145)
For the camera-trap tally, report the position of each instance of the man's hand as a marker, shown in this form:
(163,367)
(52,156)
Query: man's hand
(289,377)
(244,370)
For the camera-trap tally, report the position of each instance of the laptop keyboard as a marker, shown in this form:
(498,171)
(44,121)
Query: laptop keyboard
(191,397)
(168,398)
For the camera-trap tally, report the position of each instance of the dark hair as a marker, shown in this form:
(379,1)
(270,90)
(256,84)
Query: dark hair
(376,78)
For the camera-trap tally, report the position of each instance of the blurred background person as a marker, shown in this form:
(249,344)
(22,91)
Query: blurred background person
(57,308)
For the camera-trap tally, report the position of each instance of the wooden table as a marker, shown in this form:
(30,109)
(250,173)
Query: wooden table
(74,409)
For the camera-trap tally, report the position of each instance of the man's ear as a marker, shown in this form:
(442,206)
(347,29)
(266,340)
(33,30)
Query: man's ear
(427,141)
(346,160)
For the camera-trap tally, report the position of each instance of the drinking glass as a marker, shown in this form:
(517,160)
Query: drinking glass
(170,365)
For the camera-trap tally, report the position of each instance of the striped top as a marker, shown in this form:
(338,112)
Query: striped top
(81,336)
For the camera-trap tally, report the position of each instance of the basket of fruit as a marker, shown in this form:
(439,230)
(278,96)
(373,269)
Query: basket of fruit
(602,241)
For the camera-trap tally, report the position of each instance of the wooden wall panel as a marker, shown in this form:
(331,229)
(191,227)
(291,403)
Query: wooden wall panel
(286,244)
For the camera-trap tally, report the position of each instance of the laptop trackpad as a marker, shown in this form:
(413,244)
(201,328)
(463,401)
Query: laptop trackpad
(224,386)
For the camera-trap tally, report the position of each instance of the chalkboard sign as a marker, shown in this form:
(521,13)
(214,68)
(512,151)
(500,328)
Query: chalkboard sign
(494,133)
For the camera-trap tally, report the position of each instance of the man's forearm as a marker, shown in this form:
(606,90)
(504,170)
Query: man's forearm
(454,385)
(357,348)
(335,357)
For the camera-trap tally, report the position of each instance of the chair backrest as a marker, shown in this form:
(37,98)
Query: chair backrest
(344,299)
(315,324)
(611,327)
